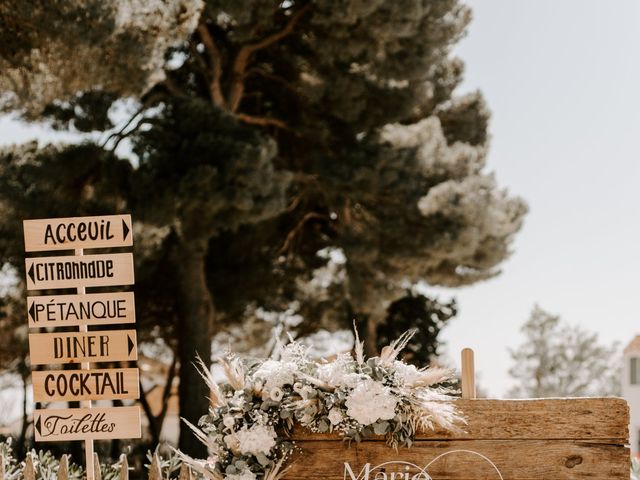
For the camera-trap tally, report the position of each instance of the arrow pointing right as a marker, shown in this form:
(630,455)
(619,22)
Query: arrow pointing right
(131,345)
(125,230)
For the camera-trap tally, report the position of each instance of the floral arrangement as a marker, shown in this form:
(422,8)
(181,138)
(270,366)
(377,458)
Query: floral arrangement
(246,430)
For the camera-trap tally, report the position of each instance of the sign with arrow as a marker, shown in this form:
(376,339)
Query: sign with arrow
(95,384)
(77,232)
(54,425)
(79,271)
(71,347)
(74,310)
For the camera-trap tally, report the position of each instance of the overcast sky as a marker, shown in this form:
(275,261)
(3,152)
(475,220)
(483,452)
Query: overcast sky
(562,79)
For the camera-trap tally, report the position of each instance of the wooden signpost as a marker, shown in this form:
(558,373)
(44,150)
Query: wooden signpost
(94,346)
(84,347)
(79,271)
(78,232)
(66,385)
(56,425)
(76,310)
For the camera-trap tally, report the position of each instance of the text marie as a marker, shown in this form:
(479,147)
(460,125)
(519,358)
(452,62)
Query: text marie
(387,471)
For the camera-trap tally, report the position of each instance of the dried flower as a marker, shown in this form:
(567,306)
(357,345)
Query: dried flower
(276,394)
(335,416)
(255,440)
(371,401)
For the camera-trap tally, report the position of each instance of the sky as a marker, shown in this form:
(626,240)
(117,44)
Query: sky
(562,79)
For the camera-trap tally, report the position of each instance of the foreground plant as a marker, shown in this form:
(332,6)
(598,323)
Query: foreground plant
(246,430)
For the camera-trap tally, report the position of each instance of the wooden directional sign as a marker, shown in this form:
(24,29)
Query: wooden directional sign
(77,232)
(68,347)
(54,425)
(74,310)
(79,271)
(98,384)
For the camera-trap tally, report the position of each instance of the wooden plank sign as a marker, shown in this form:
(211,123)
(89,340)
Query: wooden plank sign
(74,310)
(77,232)
(67,347)
(97,384)
(559,439)
(79,271)
(55,425)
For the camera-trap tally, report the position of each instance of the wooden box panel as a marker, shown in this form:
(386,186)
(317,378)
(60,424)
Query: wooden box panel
(550,439)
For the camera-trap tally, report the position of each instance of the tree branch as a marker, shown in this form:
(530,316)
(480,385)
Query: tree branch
(153,421)
(215,58)
(262,121)
(244,54)
(292,234)
(166,393)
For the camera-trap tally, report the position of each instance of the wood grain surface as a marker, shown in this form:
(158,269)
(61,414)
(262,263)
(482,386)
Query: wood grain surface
(541,439)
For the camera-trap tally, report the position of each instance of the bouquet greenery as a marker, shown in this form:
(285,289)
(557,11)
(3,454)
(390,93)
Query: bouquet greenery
(246,430)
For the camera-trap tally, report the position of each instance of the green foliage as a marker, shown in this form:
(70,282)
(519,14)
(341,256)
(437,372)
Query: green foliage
(202,172)
(426,315)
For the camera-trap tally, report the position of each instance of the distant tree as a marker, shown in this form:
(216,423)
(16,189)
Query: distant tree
(562,360)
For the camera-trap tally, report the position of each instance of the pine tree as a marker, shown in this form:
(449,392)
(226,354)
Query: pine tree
(299,156)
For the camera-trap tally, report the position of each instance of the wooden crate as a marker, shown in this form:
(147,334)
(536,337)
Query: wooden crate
(550,439)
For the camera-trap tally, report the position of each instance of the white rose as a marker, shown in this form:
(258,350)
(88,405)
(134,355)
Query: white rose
(257,439)
(371,401)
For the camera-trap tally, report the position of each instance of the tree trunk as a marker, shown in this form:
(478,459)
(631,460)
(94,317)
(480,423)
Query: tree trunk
(194,337)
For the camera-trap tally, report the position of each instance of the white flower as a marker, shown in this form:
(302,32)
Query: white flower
(257,439)
(276,374)
(276,394)
(245,474)
(335,416)
(339,373)
(371,401)
(228,421)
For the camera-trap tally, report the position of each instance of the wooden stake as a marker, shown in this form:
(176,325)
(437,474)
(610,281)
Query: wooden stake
(29,471)
(124,467)
(88,444)
(63,469)
(155,473)
(468,374)
(96,467)
(185,472)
